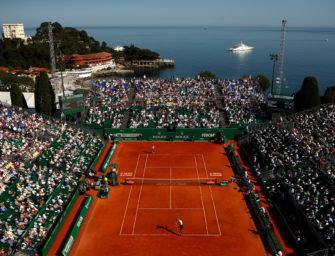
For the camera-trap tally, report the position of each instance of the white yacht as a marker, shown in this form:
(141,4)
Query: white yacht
(119,48)
(241,47)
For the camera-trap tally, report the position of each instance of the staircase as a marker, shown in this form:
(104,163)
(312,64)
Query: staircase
(219,105)
(129,109)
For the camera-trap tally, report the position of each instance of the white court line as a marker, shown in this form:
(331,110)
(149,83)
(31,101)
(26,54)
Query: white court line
(170,234)
(170,209)
(170,189)
(139,196)
(210,189)
(157,167)
(118,151)
(202,201)
(125,211)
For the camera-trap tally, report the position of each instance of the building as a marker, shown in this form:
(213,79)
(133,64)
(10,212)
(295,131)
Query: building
(5,99)
(13,31)
(88,59)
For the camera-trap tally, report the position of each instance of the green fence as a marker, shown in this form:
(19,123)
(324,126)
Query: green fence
(48,244)
(76,228)
(235,161)
(109,158)
(199,134)
(97,158)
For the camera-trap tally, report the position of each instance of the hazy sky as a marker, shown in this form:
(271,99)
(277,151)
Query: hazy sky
(77,13)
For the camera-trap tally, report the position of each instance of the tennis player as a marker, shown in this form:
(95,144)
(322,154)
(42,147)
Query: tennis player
(153,148)
(181,225)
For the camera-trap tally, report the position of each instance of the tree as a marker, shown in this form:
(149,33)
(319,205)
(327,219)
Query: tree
(8,79)
(308,96)
(17,97)
(263,82)
(329,94)
(44,95)
(207,74)
(69,40)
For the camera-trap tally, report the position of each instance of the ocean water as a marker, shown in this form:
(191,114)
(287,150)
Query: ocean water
(308,51)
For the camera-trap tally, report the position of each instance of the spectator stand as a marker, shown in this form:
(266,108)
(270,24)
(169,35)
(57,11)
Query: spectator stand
(45,185)
(304,181)
(264,225)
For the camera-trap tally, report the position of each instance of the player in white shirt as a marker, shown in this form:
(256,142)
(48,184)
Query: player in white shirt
(181,225)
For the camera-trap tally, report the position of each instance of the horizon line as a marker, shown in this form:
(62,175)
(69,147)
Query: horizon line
(180,26)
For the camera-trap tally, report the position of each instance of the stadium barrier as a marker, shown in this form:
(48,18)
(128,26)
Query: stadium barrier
(235,161)
(288,228)
(96,160)
(60,222)
(109,157)
(152,134)
(270,237)
(76,228)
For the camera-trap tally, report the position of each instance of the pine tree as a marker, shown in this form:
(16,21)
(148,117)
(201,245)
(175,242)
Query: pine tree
(37,94)
(44,95)
(308,96)
(329,94)
(17,97)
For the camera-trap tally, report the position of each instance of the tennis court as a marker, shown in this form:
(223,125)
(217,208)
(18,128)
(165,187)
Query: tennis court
(173,182)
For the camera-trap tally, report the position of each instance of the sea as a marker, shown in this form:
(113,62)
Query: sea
(308,51)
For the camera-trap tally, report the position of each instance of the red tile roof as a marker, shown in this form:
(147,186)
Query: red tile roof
(4,69)
(91,56)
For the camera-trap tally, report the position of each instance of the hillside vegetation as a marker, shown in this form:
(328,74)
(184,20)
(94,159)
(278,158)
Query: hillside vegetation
(15,55)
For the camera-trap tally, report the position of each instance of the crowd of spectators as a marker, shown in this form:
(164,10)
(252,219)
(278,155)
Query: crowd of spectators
(23,136)
(42,161)
(179,102)
(243,101)
(106,103)
(301,150)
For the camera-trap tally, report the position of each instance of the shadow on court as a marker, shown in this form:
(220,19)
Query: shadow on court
(167,229)
(147,152)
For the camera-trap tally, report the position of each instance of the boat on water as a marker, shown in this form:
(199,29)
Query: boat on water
(119,48)
(241,47)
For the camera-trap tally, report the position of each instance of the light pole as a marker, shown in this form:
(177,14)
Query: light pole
(60,58)
(274,58)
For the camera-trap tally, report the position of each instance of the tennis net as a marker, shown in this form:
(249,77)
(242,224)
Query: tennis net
(152,181)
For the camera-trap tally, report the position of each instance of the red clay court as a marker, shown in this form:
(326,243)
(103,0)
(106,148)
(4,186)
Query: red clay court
(141,219)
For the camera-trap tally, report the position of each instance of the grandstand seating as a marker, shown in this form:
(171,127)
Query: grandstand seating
(182,102)
(35,192)
(300,151)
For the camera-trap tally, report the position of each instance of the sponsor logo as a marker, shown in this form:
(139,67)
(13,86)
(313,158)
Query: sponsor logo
(68,245)
(130,181)
(80,221)
(215,174)
(208,135)
(211,182)
(127,135)
(159,137)
(182,137)
(126,174)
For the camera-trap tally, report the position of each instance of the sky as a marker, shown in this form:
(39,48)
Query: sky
(81,13)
